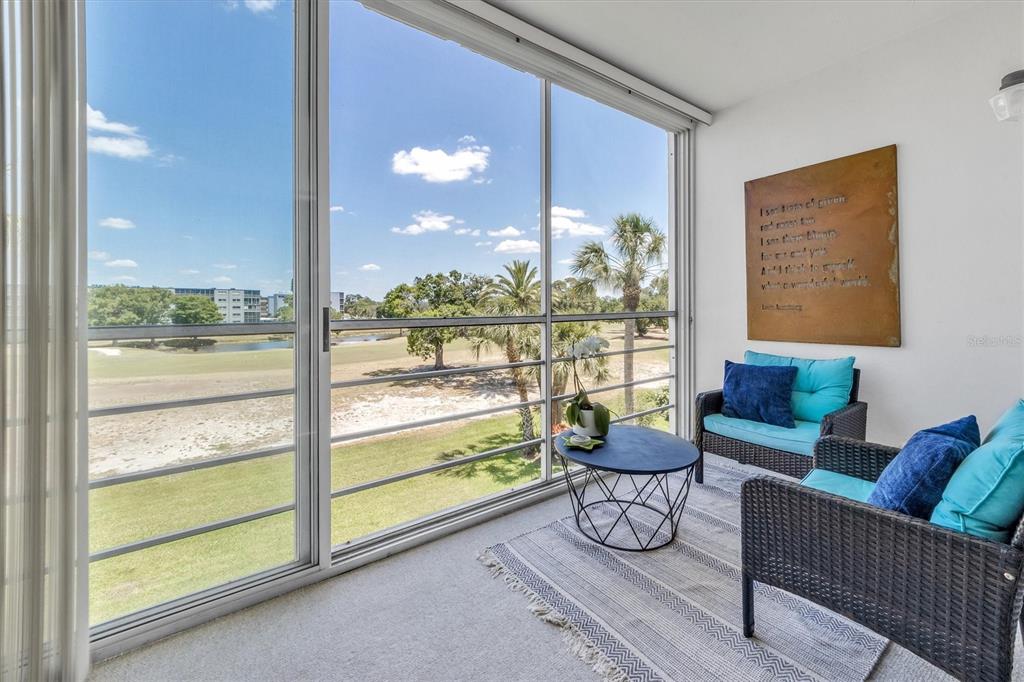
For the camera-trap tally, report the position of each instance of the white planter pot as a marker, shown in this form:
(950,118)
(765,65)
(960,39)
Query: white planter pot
(587,428)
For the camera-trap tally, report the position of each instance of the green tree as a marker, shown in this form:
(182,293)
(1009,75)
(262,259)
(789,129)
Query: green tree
(400,301)
(429,342)
(195,310)
(451,294)
(122,305)
(286,313)
(516,292)
(637,255)
(362,307)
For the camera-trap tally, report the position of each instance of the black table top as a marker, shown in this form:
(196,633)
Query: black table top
(633,450)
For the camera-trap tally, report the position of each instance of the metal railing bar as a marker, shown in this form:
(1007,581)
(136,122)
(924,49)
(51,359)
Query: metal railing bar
(189,532)
(604,389)
(192,466)
(598,317)
(610,353)
(394,428)
(644,413)
(440,466)
(421,322)
(431,374)
(178,331)
(188,402)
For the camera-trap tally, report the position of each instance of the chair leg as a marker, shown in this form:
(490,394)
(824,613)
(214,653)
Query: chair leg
(698,470)
(748,605)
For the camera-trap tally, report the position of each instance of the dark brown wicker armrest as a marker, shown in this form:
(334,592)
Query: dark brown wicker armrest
(891,572)
(850,421)
(709,402)
(852,457)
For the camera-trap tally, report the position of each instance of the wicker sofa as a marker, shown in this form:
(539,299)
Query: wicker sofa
(850,421)
(952,598)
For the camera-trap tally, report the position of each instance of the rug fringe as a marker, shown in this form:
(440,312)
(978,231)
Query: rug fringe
(578,643)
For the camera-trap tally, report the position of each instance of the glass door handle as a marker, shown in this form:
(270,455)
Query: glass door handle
(327,330)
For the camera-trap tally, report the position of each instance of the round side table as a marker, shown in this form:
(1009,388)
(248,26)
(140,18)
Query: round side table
(626,499)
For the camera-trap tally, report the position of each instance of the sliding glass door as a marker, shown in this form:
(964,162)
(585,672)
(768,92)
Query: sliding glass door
(435,197)
(192,376)
(337,265)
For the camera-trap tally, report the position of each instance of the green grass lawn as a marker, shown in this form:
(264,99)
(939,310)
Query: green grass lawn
(144,509)
(134,511)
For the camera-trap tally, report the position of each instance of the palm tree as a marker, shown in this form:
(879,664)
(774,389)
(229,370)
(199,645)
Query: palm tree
(516,292)
(563,336)
(637,254)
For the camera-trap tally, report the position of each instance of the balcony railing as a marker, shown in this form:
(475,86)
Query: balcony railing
(98,334)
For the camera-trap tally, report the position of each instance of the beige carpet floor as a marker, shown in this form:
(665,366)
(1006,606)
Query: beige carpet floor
(431,613)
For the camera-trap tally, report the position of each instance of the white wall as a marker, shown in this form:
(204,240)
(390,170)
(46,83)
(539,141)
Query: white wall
(960,207)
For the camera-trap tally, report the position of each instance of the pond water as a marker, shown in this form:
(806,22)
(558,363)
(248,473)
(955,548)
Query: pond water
(231,347)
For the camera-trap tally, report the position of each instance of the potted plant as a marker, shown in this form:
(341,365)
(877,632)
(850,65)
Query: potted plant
(585,417)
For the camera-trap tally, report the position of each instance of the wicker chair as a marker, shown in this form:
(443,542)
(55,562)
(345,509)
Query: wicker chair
(850,421)
(951,598)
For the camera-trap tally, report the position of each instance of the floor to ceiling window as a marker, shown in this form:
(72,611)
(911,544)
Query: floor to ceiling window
(190,223)
(481,220)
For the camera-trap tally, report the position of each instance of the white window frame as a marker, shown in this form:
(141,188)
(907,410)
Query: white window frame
(497,35)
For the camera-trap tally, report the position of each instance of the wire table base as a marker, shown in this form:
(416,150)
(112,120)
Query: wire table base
(640,513)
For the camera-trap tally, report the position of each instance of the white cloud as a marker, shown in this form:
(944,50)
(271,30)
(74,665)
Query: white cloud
(487,243)
(505,232)
(566,261)
(188,272)
(225,266)
(121,147)
(482,181)
(338,208)
(437,165)
(99,255)
(121,263)
(97,120)
(257,6)
(467,139)
(124,278)
(369,267)
(167,160)
(517,246)
(467,231)
(187,236)
(564,223)
(426,221)
(117,223)
(563,212)
(221,280)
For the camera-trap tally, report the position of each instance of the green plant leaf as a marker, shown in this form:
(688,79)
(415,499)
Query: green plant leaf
(572,411)
(602,419)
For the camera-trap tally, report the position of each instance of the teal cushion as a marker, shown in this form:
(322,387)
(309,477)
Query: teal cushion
(985,497)
(799,440)
(821,386)
(850,487)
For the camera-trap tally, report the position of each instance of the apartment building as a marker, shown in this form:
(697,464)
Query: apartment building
(235,305)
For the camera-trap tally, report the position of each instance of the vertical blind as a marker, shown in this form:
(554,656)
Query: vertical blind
(43,634)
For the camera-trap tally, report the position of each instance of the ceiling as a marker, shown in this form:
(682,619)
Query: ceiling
(717,54)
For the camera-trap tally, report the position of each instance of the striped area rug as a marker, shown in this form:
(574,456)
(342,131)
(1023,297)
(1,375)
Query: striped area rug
(674,613)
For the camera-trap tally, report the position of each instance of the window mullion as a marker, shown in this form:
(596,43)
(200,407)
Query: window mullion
(545,257)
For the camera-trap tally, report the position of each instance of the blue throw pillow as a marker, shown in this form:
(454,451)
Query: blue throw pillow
(913,481)
(760,394)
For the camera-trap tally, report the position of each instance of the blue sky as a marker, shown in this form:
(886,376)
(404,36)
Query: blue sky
(434,151)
